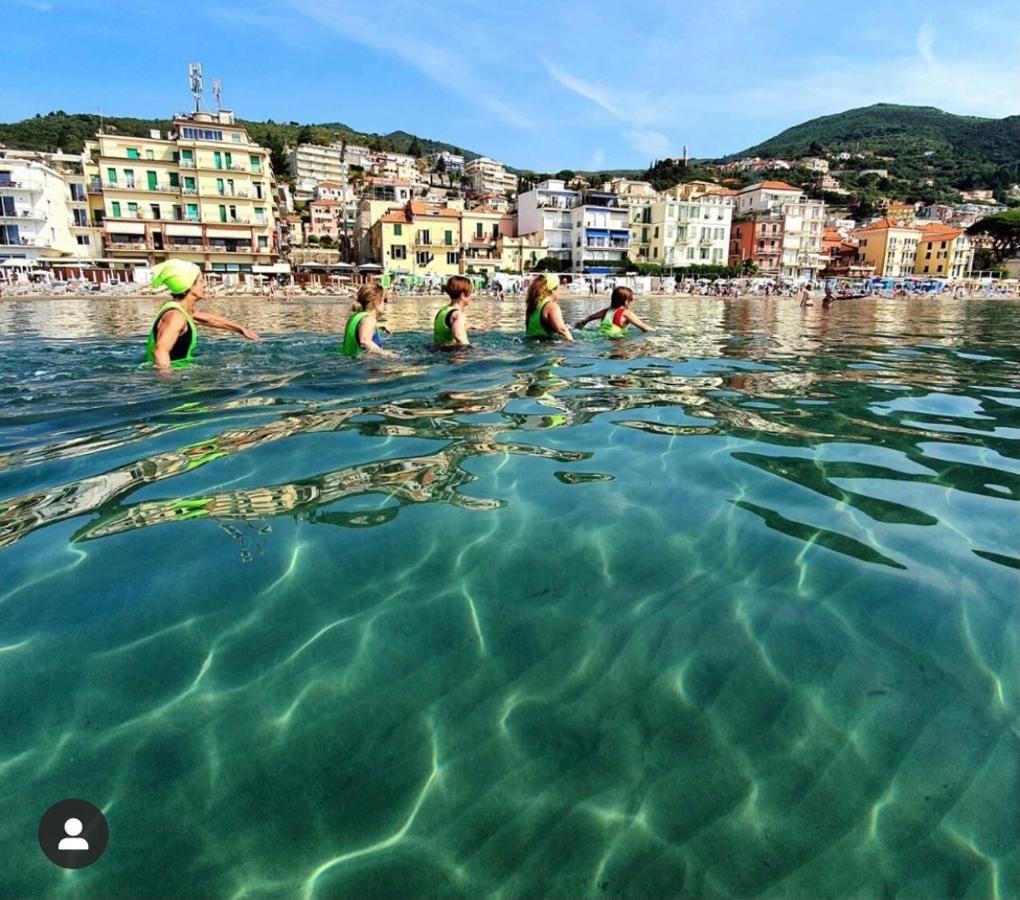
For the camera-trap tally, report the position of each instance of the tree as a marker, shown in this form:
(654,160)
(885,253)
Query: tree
(566,175)
(326,242)
(312,240)
(551,264)
(306,136)
(415,149)
(1003,232)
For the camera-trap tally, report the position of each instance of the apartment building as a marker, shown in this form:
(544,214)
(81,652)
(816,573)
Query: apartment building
(680,233)
(489,176)
(481,229)
(44,208)
(545,211)
(204,193)
(419,239)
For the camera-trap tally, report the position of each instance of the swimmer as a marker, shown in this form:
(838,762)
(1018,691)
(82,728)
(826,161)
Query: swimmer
(362,331)
(542,316)
(173,336)
(617,316)
(449,328)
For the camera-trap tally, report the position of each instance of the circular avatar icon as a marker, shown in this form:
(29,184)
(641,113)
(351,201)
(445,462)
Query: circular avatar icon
(73,834)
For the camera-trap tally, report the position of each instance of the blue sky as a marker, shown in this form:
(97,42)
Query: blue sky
(541,85)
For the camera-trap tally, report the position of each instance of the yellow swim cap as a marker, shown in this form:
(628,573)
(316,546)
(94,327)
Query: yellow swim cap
(552,281)
(176,274)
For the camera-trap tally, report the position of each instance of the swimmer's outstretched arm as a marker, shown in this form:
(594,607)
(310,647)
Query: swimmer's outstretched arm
(595,315)
(636,322)
(215,321)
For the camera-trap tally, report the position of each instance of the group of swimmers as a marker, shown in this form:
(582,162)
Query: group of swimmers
(174,333)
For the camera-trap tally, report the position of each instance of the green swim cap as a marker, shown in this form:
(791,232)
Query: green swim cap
(552,281)
(176,274)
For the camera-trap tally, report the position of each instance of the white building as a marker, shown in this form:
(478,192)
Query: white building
(399,166)
(802,224)
(489,176)
(43,208)
(452,162)
(311,164)
(815,164)
(545,211)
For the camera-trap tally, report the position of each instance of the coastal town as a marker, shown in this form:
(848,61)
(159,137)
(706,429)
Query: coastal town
(341,213)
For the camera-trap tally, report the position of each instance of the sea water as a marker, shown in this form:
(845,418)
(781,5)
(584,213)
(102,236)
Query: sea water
(728,609)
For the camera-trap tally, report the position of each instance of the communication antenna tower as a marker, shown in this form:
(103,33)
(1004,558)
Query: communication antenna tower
(195,81)
(217,89)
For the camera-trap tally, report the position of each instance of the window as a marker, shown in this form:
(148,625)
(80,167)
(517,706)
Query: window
(424,237)
(129,178)
(201,134)
(422,258)
(233,213)
(178,213)
(263,241)
(479,230)
(398,251)
(132,153)
(82,239)
(189,183)
(220,189)
(77,191)
(656,231)
(256,163)
(152,180)
(452,258)
(81,218)
(398,230)
(154,209)
(193,212)
(133,210)
(223,214)
(175,180)
(258,190)
(149,154)
(115,209)
(111,176)
(260,215)
(218,159)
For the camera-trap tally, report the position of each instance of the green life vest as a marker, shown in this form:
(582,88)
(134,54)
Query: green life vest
(184,347)
(442,333)
(351,346)
(613,324)
(535,326)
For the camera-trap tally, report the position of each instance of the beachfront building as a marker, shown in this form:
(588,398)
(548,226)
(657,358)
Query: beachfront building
(418,239)
(43,208)
(629,191)
(545,211)
(677,234)
(943,252)
(379,196)
(204,193)
(489,176)
(890,246)
(347,203)
(778,230)
(519,253)
(601,233)
(479,238)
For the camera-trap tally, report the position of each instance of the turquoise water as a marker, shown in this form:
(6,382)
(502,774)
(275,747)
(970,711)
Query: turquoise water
(727,610)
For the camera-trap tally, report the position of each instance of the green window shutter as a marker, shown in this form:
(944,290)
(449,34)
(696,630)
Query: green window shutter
(193,211)
(132,153)
(219,186)
(175,180)
(449,238)
(217,159)
(189,182)
(230,160)
(132,208)
(398,229)
(111,176)
(256,163)
(223,214)
(115,209)
(153,183)
(188,154)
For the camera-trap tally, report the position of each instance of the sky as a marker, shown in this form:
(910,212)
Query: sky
(539,84)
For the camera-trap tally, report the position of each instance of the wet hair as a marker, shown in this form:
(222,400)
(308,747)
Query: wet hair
(370,297)
(538,290)
(457,287)
(621,296)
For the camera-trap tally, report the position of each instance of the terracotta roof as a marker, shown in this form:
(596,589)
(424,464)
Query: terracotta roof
(723,192)
(883,224)
(772,186)
(397,215)
(427,209)
(939,232)
(484,211)
(330,184)
(324,203)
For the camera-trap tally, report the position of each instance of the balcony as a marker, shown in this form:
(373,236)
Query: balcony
(113,246)
(26,184)
(22,214)
(24,242)
(187,164)
(190,192)
(234,167)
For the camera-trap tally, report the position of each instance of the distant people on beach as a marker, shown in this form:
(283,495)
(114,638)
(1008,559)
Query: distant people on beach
(449,328)
(361,334)
(174,335)
(617,316)
(542,315)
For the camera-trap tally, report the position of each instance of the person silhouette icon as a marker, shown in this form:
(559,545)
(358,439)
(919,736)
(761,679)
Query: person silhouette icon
(73,828)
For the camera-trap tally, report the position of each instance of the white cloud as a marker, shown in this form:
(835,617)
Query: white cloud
(652,144)
(926,44)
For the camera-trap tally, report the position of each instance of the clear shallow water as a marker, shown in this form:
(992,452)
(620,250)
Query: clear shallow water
(726,610)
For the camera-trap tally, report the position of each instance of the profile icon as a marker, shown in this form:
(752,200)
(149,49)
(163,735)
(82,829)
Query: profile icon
(73,841)
(73,834)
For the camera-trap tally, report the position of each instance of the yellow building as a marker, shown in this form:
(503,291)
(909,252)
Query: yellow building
(420,239)
(480,231)
(943,252)
(519,254)
(204,193)
(890,246)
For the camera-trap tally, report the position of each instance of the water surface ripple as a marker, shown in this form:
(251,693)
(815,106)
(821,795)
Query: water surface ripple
(725,610)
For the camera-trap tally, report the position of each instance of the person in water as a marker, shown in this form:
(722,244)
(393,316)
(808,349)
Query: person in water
(616,317)
(450,326)
(542,316)
(362,331)
(174,335)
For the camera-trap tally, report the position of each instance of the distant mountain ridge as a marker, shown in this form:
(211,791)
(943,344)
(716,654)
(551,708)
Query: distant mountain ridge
(889,129)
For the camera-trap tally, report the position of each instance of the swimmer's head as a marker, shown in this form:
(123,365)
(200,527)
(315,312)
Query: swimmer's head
(621,296)
(371,298)
(458,288)
(180,277)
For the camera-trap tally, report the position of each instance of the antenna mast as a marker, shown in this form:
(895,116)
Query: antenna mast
(217,89)
(195,82)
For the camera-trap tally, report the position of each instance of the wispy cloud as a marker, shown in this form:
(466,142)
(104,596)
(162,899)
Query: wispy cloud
(652,144)
(926,44)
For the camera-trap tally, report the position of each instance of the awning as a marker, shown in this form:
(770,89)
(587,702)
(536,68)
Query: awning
(124,227)
(370,267)
(278,269)
(244,235)
(22,263)
(597,232)
(619,233)
(183,230)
